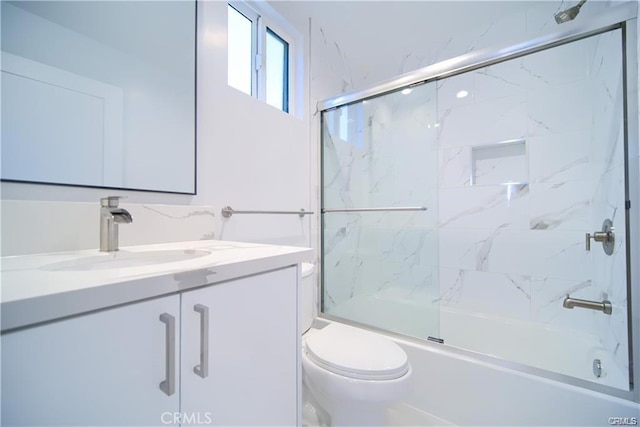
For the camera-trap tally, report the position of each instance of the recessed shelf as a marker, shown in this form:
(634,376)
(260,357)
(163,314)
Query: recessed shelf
(501,163)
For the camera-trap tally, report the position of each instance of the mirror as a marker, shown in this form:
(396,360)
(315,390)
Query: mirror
(99,93)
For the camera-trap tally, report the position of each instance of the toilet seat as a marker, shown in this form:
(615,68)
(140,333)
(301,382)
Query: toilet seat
(356,353)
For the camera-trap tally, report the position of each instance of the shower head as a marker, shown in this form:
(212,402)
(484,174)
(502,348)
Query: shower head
(569,14)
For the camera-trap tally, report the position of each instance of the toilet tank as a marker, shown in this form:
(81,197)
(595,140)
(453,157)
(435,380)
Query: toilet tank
(307,298)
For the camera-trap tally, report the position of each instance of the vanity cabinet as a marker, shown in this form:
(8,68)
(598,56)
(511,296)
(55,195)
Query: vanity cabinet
(102,368)
(235,349)
(253,351)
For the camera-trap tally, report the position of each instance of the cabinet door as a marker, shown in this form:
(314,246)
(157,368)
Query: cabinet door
(252,352)
(103,368)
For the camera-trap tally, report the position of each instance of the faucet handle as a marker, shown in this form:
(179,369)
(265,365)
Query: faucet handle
(111,201)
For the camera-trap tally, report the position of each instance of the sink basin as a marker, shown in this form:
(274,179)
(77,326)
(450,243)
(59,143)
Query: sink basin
(125,259)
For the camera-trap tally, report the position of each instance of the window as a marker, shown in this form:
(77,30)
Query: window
(258,56)
(241,57)
(277,64)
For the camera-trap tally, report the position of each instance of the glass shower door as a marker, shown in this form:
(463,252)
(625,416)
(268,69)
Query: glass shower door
(532,177)
(486,210)
(379,216)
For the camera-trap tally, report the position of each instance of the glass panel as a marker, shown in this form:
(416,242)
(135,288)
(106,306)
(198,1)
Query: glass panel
(240,51)
(510,253)
(515,173)
(381,267)
(277,63)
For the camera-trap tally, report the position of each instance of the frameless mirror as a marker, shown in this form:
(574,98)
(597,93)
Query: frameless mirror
(99,93)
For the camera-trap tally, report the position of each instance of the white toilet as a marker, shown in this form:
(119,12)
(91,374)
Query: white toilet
(353,375)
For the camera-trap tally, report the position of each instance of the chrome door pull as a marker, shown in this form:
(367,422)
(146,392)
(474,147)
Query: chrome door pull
(202,370)
(606,237)
(604,306)
(169,384)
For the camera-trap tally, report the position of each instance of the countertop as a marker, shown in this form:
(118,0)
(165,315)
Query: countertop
(44,287)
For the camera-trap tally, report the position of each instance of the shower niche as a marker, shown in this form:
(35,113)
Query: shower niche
(500,163)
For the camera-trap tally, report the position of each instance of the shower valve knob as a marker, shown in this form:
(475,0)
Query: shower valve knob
(606,237)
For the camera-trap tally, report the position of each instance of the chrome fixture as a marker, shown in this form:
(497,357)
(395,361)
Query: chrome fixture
(569,14)
(604,306)
(110,216)
(389,209)
(597,367)
(228,211)
(606,236)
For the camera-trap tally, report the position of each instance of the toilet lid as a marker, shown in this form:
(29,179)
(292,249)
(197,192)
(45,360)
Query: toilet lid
(356,353)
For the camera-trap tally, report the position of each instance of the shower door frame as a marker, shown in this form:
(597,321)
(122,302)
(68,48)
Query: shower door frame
(622,17)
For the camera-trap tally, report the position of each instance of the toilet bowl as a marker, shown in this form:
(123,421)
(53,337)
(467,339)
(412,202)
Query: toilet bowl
(350,374)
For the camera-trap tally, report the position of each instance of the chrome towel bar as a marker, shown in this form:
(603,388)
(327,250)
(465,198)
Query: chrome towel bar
(392,208)
(228,211)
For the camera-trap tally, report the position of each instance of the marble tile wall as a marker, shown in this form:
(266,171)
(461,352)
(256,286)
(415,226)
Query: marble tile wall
(31,227)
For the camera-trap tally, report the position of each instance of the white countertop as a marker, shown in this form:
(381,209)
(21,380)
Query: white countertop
(43,287)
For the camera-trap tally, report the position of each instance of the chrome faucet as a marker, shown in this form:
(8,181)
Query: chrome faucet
(110,216)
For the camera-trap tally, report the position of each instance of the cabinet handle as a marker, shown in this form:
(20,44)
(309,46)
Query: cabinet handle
(202,370)
(169,384)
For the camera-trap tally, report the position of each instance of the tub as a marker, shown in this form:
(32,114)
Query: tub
(458,383)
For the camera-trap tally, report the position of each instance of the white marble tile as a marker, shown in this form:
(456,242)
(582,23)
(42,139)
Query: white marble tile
(553,109)
(482,123)
(608,200)
(78,225)
(561,206)
(607,135)
(491,206)
(558,66)
(506,79)
(493,294)
(561,157)
(504,250)
(454,167)
(605,57)
(560,254)
(457,248)
(177,223)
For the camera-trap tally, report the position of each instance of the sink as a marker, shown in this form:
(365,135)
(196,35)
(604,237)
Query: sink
(126,259)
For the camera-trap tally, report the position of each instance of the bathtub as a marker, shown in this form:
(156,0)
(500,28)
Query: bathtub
(465,382)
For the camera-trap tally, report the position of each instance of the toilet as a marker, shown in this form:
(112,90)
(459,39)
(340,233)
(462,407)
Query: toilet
(350,376)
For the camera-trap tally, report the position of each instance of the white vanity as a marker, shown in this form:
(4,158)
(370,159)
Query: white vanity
(195,333)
